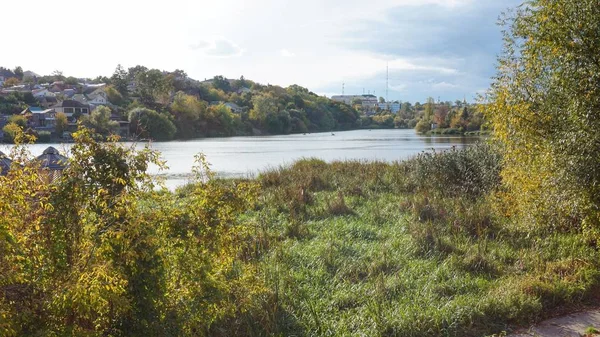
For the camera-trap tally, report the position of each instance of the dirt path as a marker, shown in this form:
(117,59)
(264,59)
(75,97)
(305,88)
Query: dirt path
(573,325)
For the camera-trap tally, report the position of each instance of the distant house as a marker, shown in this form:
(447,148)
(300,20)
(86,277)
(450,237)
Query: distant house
(44,120)
(58,86)
(69,93)
(47,101)
(123,125)
(81,98)
(44,92)
(71,107)
(234,107)
(243,90)
(98,97)
(90,88)
(392,107)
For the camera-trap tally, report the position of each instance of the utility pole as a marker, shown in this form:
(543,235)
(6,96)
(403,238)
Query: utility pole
(343,84)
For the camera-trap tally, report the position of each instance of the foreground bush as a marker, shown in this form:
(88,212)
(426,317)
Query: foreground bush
(99,252)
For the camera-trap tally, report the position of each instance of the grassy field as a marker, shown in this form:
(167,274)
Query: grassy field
(418,248)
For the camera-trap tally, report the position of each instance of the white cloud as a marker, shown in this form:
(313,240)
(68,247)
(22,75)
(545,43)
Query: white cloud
(444,86)
(218,47)
(286,53)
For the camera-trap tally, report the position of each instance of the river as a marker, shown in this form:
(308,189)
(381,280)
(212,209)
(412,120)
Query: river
(246,156)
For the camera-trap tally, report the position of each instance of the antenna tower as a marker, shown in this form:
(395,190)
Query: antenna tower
(387,81)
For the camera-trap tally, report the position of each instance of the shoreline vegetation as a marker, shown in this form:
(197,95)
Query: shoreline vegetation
(142,103)
(421,247)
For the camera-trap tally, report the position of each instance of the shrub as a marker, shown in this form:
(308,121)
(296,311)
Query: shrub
(44,137)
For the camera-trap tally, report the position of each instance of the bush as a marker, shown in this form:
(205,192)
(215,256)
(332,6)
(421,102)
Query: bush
(471,172)
(44,137)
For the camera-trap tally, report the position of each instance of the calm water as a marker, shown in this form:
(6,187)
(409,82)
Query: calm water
(246,156)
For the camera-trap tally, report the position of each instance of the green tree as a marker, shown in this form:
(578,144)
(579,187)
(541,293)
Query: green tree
(153,87)
(18,73)
(61,123)
(221,83)
(21,121)
(10,131)
(120,80)
(99,121)
(187,110)
(264,105)
(544,108)
(146,123)
(114,96)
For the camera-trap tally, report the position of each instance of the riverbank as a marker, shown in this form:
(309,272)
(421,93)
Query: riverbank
(240,157)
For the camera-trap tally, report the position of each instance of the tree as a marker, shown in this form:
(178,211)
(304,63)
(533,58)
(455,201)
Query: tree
(440,114)
(11,82)
(58,75)
(424,123)
(381,100)
(10,131)
(21,121)
(146,123)
(18,73)
(153,87)
(120,80)
(61,123)
(221,83)
(99,121)
(114,96)
(264,105)
(187,111)
(544,109)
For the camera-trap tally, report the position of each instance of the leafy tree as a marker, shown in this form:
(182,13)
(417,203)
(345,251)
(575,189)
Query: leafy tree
(58,75)
(543,107)
(221,83)
(18,73)
(439,117)
(21,121)
(11,82)
(146,123)
(381,100)
(99,121)
(10,131)
(114,96)
(71,80)
(187,111)
(153,87)
(61,123)
(264,105)
(120,80)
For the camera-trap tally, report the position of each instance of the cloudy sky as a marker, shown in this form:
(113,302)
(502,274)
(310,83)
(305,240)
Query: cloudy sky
(438,48)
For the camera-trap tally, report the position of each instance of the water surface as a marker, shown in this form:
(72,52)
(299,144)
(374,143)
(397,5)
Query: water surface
(246,156)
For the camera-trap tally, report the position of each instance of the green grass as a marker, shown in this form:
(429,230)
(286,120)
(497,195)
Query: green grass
(408,249)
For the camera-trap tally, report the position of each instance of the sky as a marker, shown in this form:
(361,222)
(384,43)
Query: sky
(433,48)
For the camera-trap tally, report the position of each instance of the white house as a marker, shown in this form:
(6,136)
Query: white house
(71,107)
(392,107)
(44,92)
(98,97)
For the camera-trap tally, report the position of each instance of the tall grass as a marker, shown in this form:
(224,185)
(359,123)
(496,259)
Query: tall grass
(411,248)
